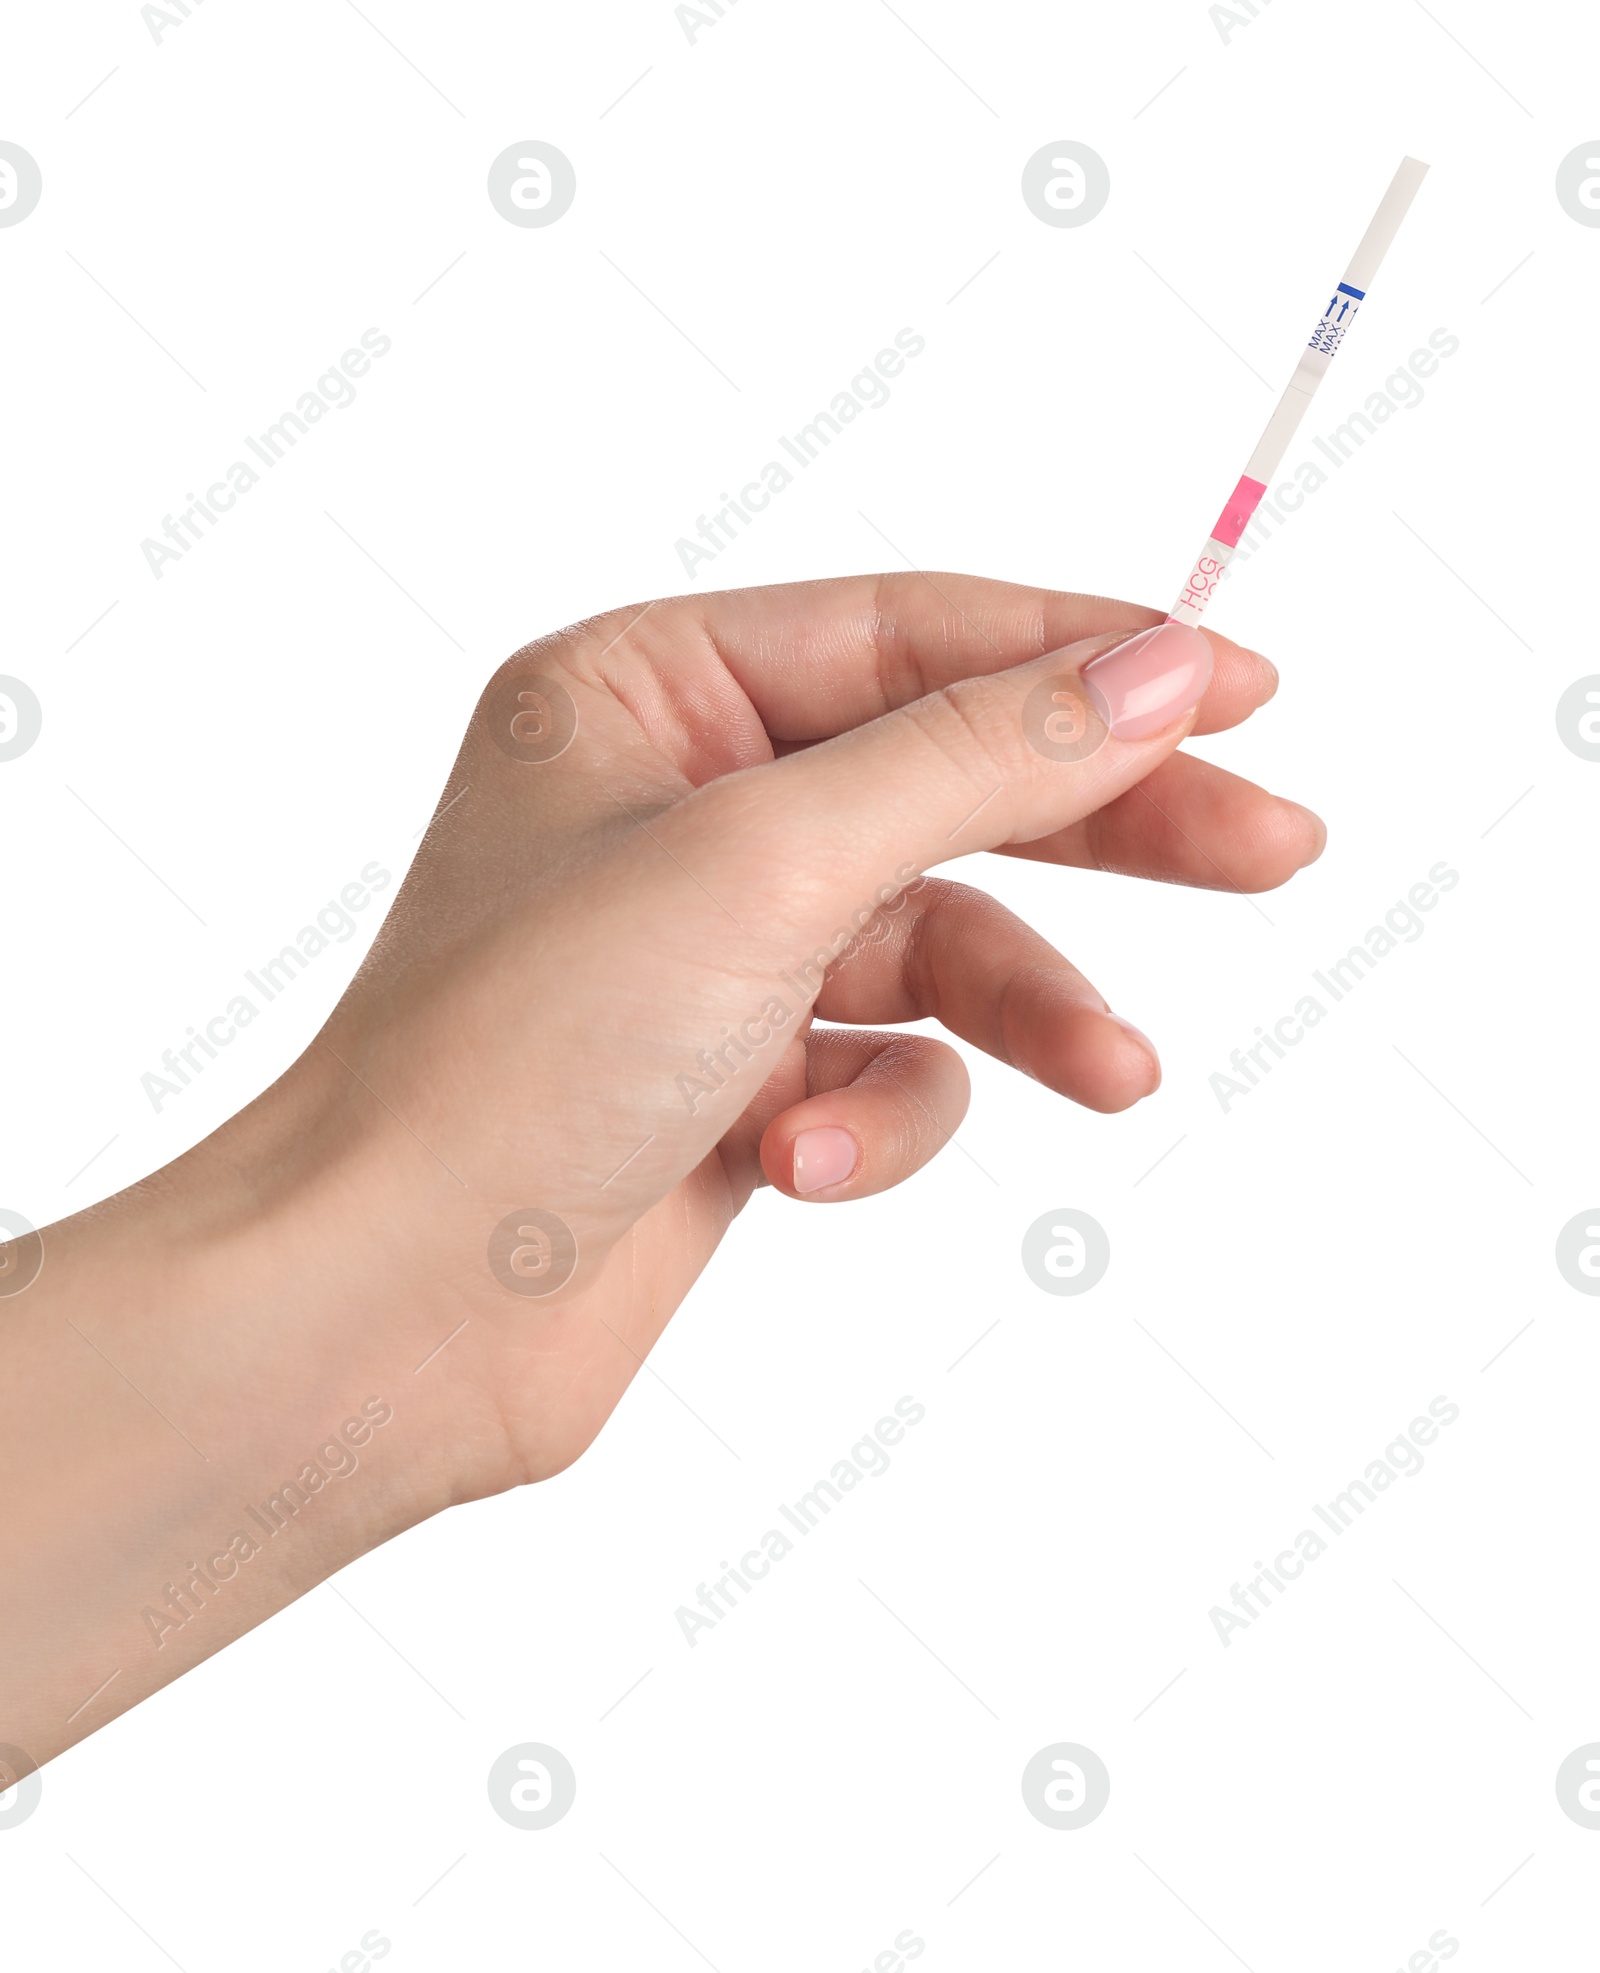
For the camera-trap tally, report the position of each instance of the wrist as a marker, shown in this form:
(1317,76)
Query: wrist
(215,1405)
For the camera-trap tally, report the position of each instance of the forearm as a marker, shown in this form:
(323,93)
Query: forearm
(202,1422)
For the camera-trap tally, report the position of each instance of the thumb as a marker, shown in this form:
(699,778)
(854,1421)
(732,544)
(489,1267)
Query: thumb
(982,762)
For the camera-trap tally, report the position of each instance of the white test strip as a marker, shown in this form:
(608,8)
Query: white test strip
(1326,337)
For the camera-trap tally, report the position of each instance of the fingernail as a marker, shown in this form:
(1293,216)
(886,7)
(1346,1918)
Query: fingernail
(1147,682)
(1144,1042)
(1138,1034)
(823,1157)
(1319,831)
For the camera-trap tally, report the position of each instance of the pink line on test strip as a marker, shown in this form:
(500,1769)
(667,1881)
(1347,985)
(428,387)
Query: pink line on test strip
(1211,563)
(1235,517)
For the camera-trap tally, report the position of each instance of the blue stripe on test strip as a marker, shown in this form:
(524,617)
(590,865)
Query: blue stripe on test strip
(1346,289)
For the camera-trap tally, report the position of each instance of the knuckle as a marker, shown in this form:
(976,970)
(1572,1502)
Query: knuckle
(973,723)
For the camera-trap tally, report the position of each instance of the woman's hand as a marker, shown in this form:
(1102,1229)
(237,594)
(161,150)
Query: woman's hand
(672,837)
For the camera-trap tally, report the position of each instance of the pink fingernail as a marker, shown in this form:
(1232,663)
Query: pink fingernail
(1146,683)
(1138,1034)
(823,1157)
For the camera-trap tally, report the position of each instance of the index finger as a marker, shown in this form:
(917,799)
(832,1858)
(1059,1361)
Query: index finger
(816,659)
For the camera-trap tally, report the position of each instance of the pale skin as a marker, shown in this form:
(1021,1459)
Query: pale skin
(579,936)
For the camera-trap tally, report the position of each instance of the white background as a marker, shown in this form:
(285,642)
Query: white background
(1291,1284)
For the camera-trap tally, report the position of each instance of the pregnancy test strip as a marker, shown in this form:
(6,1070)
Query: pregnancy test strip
(1326,337)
